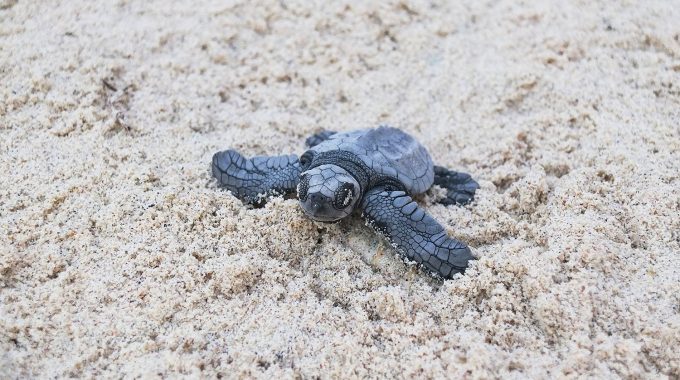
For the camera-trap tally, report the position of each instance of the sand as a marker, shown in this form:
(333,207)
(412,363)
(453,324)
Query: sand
(121,257)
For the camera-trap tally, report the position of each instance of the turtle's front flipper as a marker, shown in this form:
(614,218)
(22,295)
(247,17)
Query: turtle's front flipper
(318,138)
(460,187)
(251,180)
(414,232)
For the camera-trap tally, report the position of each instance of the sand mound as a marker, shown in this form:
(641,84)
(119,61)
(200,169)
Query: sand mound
(120,256)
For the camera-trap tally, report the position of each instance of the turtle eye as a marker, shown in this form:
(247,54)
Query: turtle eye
(343,196)
(303,187)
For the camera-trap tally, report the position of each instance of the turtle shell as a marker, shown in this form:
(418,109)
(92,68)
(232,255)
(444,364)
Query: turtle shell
(388,151)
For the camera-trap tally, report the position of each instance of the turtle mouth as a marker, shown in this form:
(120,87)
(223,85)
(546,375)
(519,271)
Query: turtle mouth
(319,212)
(333,221)
(321,218)
(320,208)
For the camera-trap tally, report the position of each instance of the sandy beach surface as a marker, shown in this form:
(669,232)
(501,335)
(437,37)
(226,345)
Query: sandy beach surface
(120,256)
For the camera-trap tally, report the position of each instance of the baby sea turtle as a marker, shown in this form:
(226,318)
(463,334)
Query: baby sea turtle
(376,170)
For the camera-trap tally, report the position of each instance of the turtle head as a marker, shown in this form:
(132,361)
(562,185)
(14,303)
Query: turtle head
(328,193)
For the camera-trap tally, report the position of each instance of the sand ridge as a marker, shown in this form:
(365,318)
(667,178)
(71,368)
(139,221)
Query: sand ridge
(121,256)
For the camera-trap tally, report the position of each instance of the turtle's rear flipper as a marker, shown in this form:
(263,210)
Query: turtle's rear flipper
(460,187)
(414,232)
(252,180)
(318,138)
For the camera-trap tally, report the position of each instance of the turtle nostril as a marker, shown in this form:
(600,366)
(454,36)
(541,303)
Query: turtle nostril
(318,199)
(317,202)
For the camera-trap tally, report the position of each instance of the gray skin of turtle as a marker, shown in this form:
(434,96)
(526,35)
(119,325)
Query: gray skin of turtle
(376,170)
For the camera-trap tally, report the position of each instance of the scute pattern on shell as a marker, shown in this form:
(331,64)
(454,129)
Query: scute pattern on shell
(388,151)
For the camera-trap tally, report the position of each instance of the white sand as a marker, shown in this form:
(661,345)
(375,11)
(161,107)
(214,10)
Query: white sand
(120,256)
